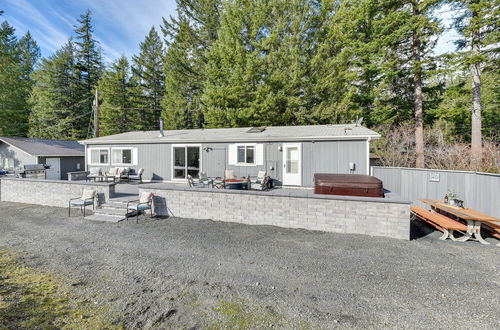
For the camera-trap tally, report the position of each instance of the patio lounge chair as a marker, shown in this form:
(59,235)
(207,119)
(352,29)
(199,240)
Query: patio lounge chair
(262,183)
(87,198)
(261,175)
(124,173)
(203,178)
(144,203)
(94,173)
(194,184)
(137,176)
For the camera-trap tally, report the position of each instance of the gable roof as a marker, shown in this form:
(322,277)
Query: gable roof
(46,148)
(242,134)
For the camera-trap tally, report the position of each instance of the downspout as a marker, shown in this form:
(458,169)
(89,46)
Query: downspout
(85,158)
(368,170)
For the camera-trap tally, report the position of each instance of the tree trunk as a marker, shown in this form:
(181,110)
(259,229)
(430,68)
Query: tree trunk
(417,97)
(475,68)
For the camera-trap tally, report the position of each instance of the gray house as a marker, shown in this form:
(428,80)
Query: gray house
(290,154)
(62,156)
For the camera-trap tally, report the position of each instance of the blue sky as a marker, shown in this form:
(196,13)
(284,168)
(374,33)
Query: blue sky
(119,24)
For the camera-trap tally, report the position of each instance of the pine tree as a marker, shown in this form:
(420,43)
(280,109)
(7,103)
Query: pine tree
(189,38)
(17,59)
(345,43)
(257,69)
(149,73)
(118,112)
(412,35)
(479,25)
(55,97)
(89,62)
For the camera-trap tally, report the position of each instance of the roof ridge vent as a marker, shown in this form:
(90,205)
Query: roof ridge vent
(257,129)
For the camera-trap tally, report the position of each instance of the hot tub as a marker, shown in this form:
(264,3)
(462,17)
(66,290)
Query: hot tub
(348,185)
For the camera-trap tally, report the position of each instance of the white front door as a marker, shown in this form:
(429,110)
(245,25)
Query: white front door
(292,164)
(54,172)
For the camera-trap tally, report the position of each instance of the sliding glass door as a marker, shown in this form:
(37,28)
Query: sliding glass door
(186,160)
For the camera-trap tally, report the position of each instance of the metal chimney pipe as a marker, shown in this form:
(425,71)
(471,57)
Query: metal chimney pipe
(161,128)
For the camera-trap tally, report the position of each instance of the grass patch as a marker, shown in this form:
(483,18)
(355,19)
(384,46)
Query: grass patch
(237,314)
(30,298)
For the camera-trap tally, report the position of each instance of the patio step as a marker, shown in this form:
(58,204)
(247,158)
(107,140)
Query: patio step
(111,211)
(115,205)
(105,218)
(114,210)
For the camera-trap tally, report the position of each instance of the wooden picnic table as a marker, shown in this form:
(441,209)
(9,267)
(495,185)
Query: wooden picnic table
(474,218)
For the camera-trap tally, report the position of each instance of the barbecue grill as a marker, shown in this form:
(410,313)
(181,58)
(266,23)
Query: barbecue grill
(32,171)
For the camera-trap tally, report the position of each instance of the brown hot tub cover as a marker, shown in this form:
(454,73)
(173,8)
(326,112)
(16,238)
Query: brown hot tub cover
(347,185)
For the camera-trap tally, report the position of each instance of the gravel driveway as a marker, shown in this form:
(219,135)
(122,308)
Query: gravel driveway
(185,273)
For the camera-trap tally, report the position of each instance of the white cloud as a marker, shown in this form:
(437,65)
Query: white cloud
(118,25)
(44,31)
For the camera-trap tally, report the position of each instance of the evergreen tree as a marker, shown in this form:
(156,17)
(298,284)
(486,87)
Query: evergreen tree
(29,54)
(17,59)
(89,62)
(257,69)
(480,26)
(117,110)
(55,98)
(149,73)
(189,38)
(410,33)
(65,85)
(346,63)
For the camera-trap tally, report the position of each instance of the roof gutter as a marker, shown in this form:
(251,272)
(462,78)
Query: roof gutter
(273,139)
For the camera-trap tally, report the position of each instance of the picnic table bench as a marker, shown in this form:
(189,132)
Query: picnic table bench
(492,228)
(473,218)
(439,221)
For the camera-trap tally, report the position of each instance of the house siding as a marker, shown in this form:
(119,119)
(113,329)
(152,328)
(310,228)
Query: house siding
(15,156)
(320,156)
(154,158)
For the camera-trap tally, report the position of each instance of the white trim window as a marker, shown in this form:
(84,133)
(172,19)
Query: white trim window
(98,156)
(186,160)
(123,156)
(246,154)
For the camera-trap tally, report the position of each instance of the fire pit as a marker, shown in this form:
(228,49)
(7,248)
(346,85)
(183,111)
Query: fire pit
(238,184)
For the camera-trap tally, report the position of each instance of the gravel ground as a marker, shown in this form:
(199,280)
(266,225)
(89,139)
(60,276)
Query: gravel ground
(186,273)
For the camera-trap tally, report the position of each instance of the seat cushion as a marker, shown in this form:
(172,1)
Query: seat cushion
(80,202)
(145,197)
(88,194)
(140,207)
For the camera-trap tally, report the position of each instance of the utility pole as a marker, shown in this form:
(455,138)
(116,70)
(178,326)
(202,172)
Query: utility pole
(96,114)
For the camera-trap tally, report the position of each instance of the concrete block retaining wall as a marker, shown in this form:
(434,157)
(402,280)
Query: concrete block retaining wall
(377,216)
(50,192)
